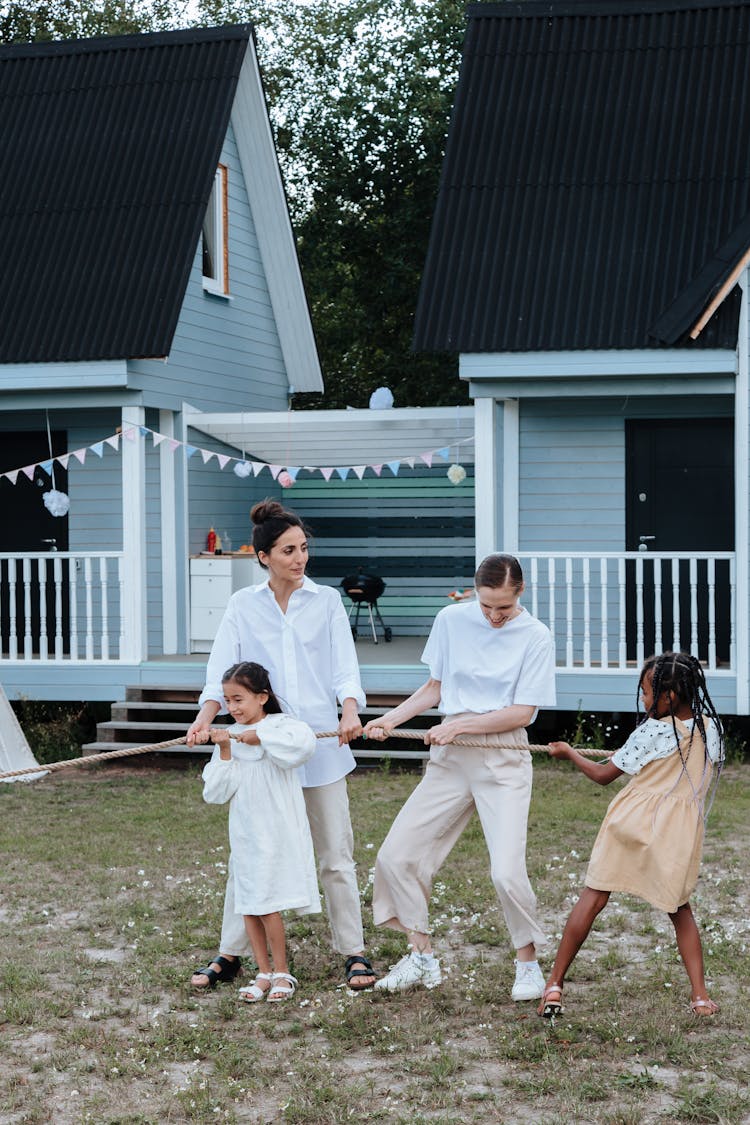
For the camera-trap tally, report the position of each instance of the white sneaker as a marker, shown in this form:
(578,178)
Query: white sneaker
(529,982)
(409,972)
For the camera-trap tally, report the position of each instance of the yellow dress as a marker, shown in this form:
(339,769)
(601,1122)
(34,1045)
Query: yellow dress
(651,838)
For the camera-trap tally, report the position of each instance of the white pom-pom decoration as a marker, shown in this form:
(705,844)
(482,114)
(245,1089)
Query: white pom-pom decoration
(56,503)
(242,469)
(381,399)
(284,479)
(456,473)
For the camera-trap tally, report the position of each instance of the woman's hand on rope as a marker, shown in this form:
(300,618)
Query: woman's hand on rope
(350,726)
(444,733)
(198,731)
(377,730)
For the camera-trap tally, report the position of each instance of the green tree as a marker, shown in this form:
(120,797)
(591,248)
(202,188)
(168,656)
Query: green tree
(360,93)
(32,21)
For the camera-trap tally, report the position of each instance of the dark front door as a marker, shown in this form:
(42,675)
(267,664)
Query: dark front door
(27,526)
(680,497)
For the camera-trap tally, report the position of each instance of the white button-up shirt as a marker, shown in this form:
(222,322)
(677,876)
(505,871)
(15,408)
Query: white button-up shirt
(310,657)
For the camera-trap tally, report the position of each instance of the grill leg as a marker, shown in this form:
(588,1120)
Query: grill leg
(372,623)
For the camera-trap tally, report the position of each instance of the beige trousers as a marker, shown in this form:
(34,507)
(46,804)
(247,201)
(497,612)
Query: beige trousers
(331,830)
(458,780)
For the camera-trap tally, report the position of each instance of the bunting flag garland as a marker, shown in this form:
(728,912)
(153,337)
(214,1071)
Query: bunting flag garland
(242,467)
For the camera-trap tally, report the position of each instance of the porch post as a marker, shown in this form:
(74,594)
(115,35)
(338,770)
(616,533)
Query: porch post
(133,605)
(168,535)
(742,504)
(486,471)
(511,483)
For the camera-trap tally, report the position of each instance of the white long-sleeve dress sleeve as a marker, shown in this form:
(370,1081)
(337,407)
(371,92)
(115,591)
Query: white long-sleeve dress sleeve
(272,853)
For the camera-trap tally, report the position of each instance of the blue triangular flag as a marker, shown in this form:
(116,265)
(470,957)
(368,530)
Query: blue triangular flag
(190,450)
(46,465)
(394,466)
(293,470)
(97,448)
(144,430)
(444,453)
(343,472)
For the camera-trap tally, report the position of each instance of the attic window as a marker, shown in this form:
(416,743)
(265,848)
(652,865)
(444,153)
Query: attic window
(216,236)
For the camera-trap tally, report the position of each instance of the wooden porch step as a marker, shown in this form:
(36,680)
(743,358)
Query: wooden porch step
(155,693)
(156,714)
(125,710)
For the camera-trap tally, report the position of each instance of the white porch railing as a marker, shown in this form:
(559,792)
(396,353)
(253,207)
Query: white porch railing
(609,610)
(62,606)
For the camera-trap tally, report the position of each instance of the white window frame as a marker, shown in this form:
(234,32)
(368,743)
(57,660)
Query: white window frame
(217,222)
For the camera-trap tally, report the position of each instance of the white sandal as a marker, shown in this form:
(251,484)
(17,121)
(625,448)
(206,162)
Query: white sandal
(286,988)
(252,993)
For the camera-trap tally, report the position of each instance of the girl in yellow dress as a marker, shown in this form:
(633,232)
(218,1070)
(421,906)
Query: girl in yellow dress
(651,839)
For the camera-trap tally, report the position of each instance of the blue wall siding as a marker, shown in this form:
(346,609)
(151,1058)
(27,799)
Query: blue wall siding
(219,498)
(416,531)
(226,353)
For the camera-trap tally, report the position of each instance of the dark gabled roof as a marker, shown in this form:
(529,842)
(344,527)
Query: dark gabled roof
(596,186)
(107,157)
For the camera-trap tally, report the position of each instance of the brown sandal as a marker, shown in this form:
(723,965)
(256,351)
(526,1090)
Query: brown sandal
(549,1007)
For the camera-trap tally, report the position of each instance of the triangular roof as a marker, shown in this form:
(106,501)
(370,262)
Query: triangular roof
(596,186)
(108,154)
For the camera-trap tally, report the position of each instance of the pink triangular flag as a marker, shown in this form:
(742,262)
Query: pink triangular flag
(427,458)
(174,444)
(130,433)
(206,454)
(327,473)
(377,469)
(222,459)
(359,470)
(29,470)
(114,441)
(80,455)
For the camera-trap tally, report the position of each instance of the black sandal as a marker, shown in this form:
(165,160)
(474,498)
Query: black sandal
(227,972)
(352,974)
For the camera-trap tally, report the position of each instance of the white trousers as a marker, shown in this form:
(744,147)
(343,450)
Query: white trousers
(458,780)
(331,830)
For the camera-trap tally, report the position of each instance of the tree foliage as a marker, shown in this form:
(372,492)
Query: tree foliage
(32,21)
(360,93)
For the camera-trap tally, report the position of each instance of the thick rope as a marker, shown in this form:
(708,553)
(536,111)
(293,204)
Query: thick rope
(416,735)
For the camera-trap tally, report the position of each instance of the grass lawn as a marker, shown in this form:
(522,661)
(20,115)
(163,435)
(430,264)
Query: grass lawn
(111,893)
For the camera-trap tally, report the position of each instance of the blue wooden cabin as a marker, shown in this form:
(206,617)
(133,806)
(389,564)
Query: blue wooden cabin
(588,260)
(149,270)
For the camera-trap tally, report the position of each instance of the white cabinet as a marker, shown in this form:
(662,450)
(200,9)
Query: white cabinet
(213,580)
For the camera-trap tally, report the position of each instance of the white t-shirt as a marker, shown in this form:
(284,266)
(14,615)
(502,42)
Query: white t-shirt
(483,669)
(310,657)
(655,739)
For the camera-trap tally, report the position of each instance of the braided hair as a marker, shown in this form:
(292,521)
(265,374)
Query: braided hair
(681,677)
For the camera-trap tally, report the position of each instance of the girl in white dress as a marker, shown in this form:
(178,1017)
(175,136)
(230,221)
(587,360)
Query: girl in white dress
(254,768)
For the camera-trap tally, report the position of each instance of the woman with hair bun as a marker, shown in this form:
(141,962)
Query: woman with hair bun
(300,632)
(491,666)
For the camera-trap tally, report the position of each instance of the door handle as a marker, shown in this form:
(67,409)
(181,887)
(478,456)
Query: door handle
(644,540)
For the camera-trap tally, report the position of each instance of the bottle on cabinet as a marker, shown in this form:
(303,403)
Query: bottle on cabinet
(211,541)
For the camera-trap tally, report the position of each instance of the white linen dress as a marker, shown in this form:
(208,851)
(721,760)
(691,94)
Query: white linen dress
(273,865)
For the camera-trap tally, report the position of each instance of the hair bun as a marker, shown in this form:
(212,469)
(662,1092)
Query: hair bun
(266,510)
